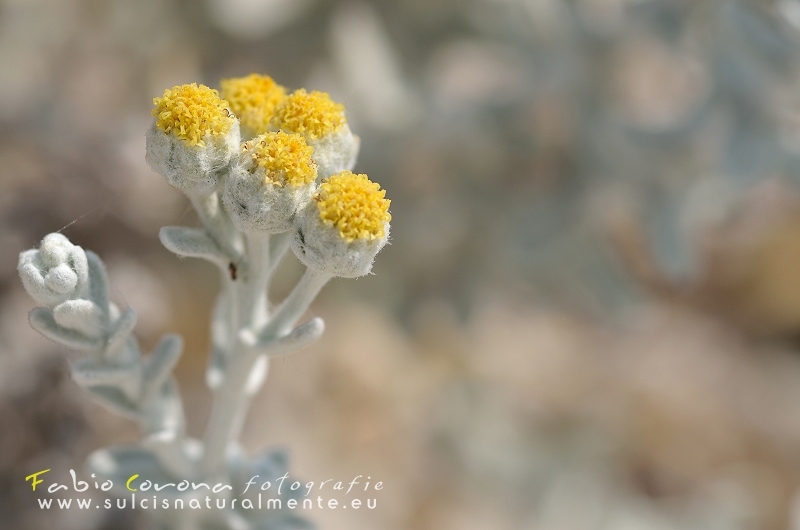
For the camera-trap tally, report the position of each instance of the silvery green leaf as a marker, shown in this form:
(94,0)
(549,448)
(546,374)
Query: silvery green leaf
(302,336)
(43,321)
(193,243)
(163,411)
(218,224)
(126,377)
(88,373)
(121,331)
(113,398)
(128,355)
(159,364)
(98,281)
(80,315)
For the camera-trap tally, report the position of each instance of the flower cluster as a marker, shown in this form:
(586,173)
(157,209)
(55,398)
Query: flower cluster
(266,170)
(291,174)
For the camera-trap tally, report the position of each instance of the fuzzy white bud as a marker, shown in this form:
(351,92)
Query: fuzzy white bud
(55,272)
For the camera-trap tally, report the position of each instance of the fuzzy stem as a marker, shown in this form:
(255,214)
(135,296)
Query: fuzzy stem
(227,412)
(254,288)
(231,399)
(249,305)
(278,246)
(290,311)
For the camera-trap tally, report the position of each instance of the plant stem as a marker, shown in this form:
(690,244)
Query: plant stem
(231,399)
(254,287)
(227,412)
(287,315)
(278,246)
(249,306)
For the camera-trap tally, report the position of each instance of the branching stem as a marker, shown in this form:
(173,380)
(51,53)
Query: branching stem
(231,398)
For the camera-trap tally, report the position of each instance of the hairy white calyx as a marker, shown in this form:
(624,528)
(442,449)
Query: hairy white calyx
(257,206)
(321,247)
(336,152)
(193,169)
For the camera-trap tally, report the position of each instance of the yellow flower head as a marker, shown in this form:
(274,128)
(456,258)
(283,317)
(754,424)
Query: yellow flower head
(253,99)
(355,205)
(285,157)
(191,112)
(312,114)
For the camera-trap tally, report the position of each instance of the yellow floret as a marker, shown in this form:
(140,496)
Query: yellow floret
(192,112)
(355,205)
(312,114)
(285,157)
(253,99)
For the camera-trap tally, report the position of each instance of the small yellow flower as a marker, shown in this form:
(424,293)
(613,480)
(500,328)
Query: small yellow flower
(355,205)
(312,114)
(253,99)
(286,158)
(191,113)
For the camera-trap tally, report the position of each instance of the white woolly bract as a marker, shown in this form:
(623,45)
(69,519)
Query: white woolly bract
(191,169)
(256,205)
(321,247)
(335,152)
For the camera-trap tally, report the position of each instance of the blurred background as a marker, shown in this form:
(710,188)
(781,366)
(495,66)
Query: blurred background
(589,315)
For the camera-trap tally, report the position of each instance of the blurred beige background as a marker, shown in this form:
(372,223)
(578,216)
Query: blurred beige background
(589,312)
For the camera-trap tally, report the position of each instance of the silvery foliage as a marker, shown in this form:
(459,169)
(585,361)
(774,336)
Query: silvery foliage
(72,286)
